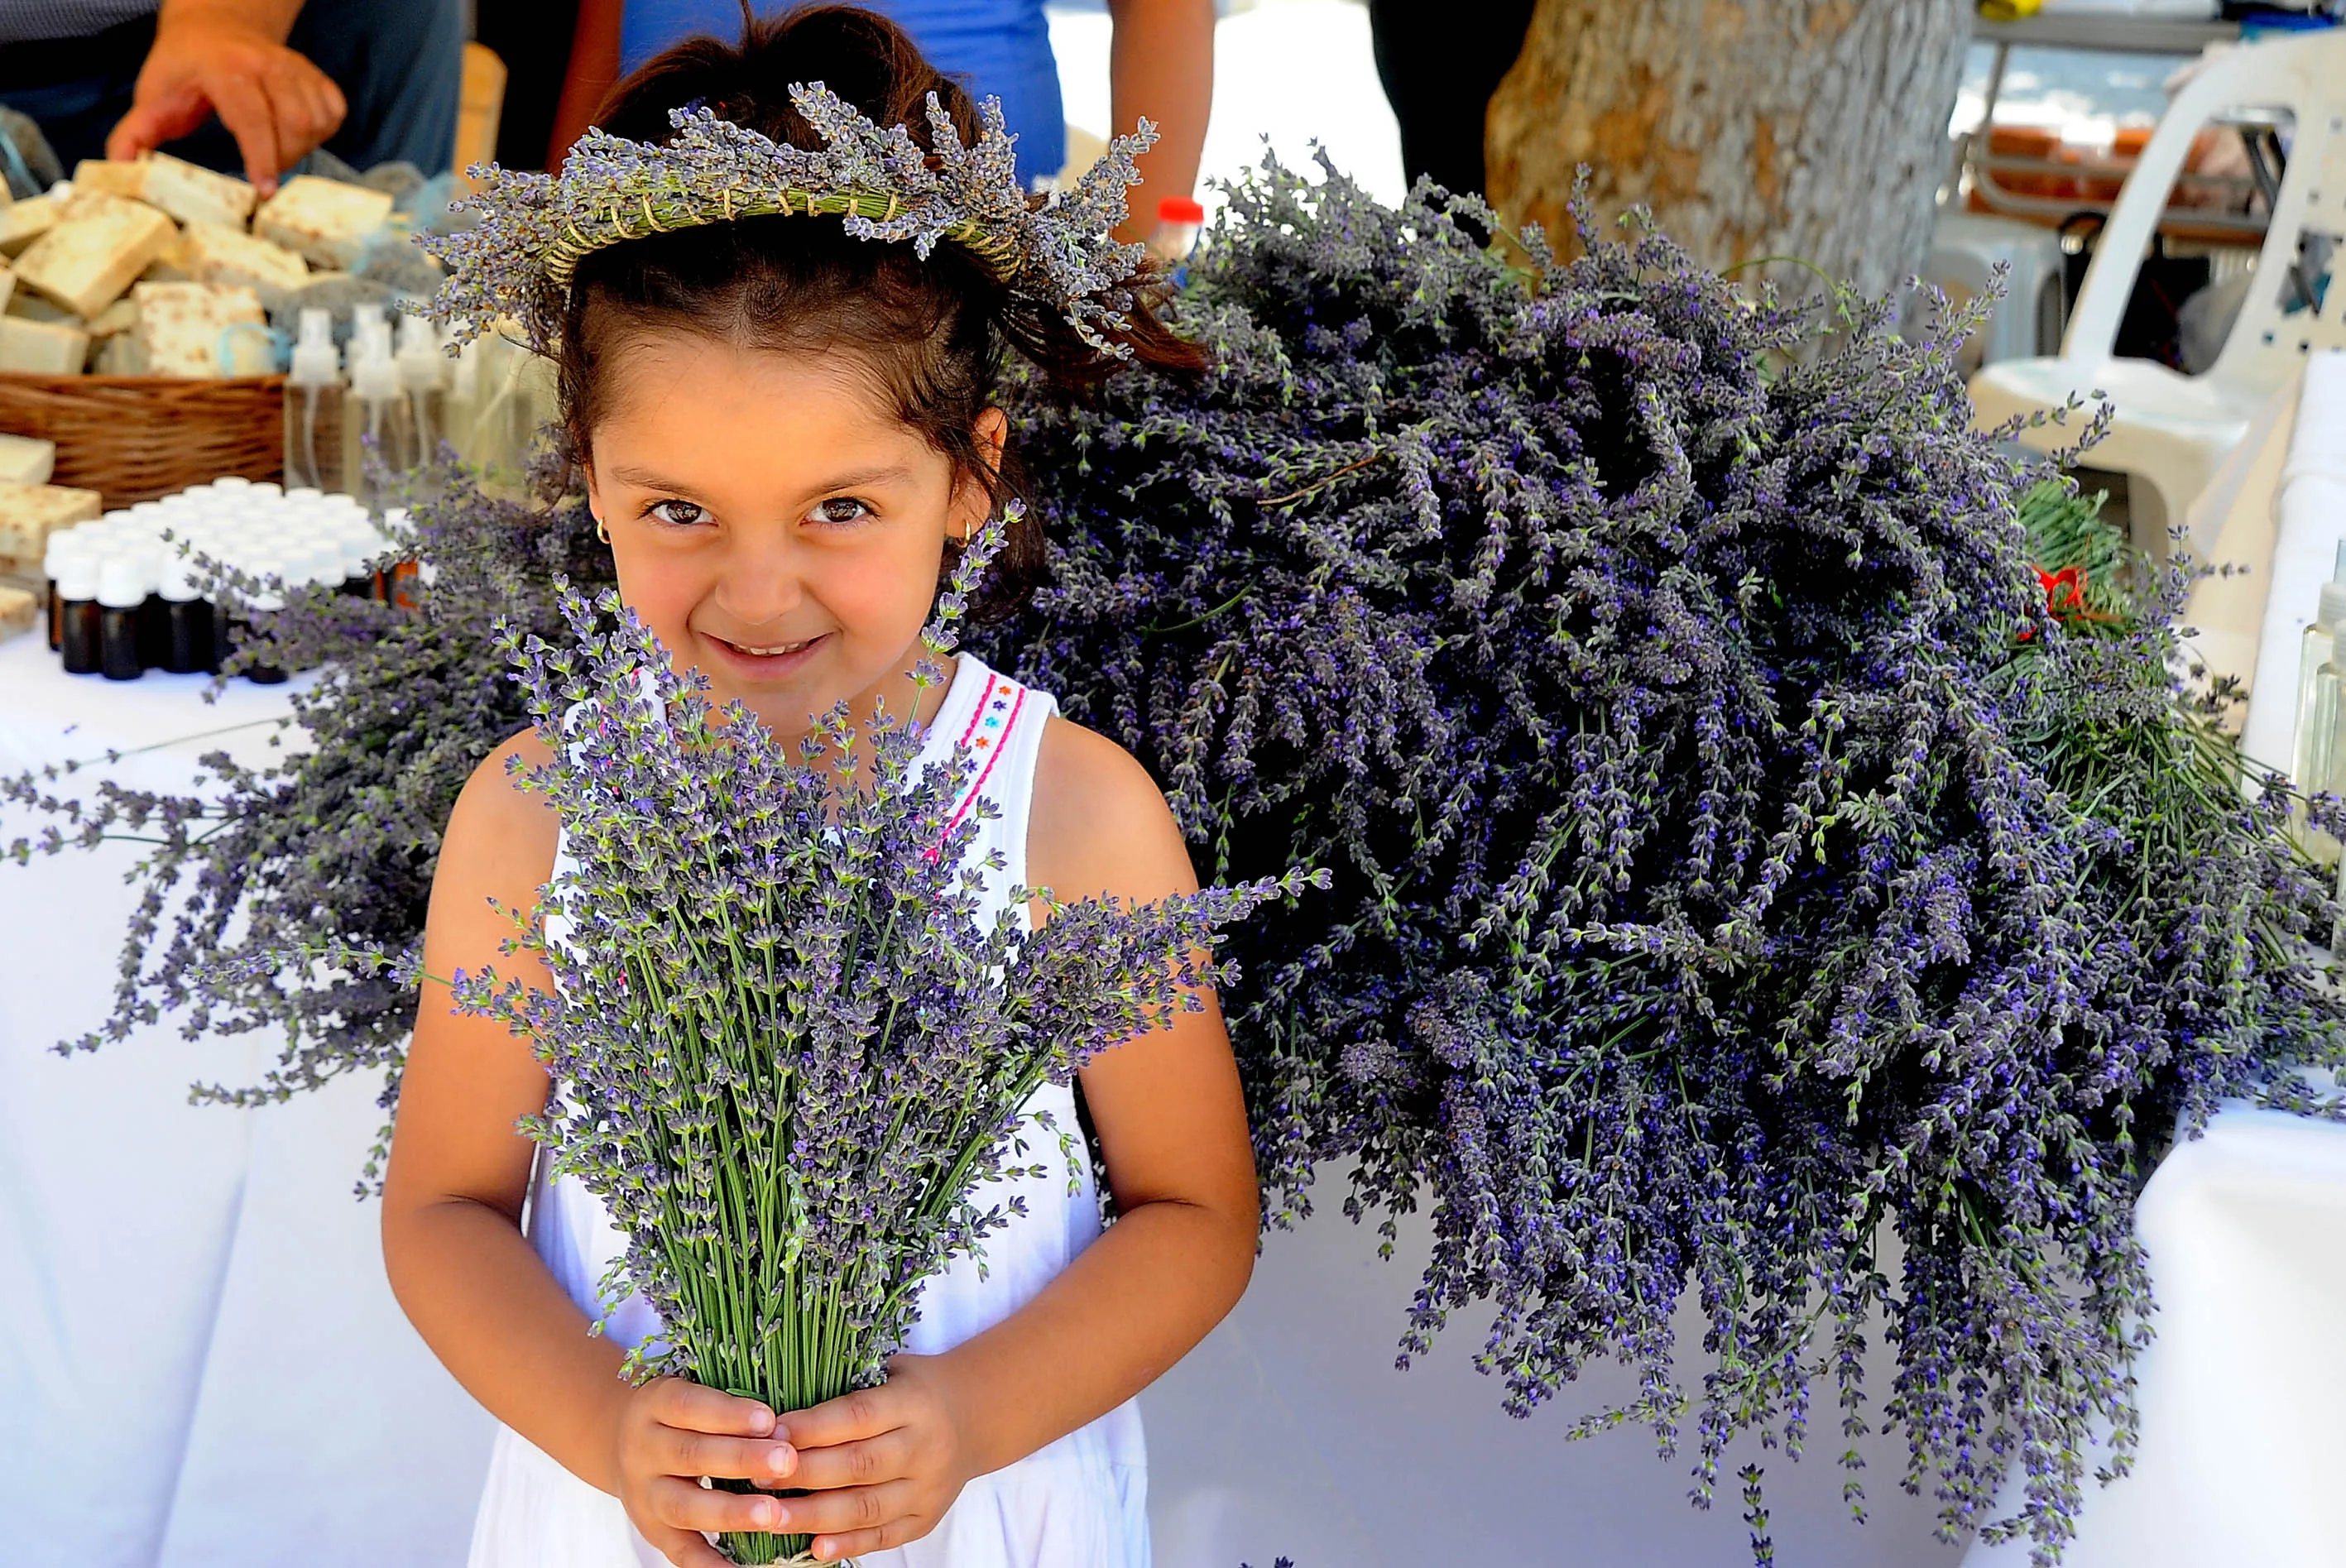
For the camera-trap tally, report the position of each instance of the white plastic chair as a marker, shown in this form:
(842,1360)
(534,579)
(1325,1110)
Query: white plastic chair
(1966,250)
(2172,431)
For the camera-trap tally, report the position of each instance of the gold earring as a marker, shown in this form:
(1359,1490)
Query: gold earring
(602,530)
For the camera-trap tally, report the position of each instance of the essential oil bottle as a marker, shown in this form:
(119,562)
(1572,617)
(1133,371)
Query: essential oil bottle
(268,600)
(65,551)
(78,615)
(121,595)
(191,644)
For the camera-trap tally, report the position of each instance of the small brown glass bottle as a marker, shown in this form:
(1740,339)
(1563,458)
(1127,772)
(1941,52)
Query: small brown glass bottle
(78,613)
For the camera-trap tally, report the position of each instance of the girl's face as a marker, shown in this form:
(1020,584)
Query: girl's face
(775,523)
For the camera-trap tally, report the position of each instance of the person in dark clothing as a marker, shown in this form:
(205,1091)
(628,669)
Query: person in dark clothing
(247,86)
(1440,64)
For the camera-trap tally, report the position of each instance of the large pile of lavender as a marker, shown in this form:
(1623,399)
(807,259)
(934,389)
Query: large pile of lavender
(788,1048)
(1712,911)
(336,843)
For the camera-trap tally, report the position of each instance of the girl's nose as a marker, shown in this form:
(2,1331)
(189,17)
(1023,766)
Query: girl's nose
(758,580)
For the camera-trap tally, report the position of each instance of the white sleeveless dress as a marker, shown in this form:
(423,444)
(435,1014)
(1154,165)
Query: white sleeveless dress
(1080,1502)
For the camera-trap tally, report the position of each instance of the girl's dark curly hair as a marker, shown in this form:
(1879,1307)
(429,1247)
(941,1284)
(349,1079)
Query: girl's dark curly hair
(931,334)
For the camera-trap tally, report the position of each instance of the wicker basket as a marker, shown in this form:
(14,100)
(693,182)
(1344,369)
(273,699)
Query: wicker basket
(135,438)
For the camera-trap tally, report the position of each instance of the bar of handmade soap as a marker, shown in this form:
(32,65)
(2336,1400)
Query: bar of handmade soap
(19,612)
(26,460)
(42,347)
(213,254)
(124,179)
(201,329)
(29,513)
(22,222)
(194,194)
(86,261)
(324,220)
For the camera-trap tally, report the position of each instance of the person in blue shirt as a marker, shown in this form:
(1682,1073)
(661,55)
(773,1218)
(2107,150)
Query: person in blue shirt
(1161,64)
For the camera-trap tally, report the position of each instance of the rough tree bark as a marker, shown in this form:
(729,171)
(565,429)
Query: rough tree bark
(1812,128)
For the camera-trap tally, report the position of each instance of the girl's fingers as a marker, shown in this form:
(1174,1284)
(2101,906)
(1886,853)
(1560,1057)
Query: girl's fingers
(687,1505)
(849,1510)
(692,1453)
(866,1413)
(686,1549)
(887,1457)
(674,1402)
(855,1542)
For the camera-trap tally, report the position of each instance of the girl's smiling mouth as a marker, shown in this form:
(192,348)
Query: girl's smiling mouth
(767,658)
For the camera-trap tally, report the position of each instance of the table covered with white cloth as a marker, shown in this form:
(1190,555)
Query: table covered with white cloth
(201,1363)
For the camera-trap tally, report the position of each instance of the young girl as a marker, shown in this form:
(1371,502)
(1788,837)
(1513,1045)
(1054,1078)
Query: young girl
(786,430)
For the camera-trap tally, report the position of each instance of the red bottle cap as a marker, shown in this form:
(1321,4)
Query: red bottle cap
(1179,209)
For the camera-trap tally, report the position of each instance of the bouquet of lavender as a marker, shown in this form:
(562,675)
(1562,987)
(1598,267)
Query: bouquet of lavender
(786,1049)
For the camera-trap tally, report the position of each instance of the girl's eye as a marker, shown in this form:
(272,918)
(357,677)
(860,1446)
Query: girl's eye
(842,509)
(680,513)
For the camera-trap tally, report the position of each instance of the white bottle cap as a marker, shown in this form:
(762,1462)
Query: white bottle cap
(268,487)
(178,583)
(231,481)
(2334,604)
(374,374)
(67,550)
(362,545)
(78,583)
(322,558)
(305,493)
(315,363)
(146,509)
(420,360)
(121,582)
(270,568)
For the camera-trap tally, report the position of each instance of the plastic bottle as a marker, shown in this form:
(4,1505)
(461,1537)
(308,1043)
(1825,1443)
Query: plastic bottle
(423,373)
(1179,220)
(121,591)
(190,643)
(77,616)
(313,406)
(2322,740)
(378,414)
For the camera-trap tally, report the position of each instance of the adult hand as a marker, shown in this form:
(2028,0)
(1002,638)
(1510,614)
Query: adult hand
(222,58)
(881,1465)
(671,1433)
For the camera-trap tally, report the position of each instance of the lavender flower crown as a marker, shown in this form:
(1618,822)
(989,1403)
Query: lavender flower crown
(1059,253)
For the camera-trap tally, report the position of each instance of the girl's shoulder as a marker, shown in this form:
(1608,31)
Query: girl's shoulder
(1099,823)
(498,831)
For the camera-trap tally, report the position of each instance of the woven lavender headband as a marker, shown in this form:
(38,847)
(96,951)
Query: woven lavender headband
(534,229)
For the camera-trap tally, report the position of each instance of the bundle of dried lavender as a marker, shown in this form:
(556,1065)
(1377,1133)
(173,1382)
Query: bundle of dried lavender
(786,1049)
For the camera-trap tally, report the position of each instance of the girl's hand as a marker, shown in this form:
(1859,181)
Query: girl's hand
(881,1465)
(671,1433)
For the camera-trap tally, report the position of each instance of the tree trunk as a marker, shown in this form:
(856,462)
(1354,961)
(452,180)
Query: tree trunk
(1808,129)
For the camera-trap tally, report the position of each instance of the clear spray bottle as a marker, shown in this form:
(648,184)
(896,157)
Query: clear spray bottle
(313,407)
(379,415)
(422,374)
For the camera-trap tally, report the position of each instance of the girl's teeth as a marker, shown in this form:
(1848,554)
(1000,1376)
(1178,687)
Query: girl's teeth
(769,653)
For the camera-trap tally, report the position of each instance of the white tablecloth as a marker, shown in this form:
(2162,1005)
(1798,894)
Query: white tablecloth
(201,1364)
